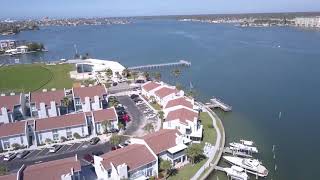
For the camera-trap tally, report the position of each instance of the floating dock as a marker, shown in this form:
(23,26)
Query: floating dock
(152,66)
(227,150)
(217,103)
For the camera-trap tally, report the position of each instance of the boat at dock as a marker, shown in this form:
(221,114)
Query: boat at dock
(244,145)
(236,152)
(252,166)
(236,172)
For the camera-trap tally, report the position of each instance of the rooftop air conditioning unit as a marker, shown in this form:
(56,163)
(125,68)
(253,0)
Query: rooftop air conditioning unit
(44,90)
(3,94)
(12,94)
(90,85)
(82,86)
(53,89)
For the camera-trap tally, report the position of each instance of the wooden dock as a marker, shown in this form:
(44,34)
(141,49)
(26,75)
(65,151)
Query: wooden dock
(227,150)
(217,103)
(152,66)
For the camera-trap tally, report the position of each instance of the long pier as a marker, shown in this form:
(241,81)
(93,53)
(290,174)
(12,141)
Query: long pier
(151,66)
(217,103)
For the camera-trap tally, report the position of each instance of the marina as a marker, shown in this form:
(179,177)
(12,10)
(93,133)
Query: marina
(217,103)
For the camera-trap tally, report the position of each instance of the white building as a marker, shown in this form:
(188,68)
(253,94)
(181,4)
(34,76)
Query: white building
(186,120)
(136,161)
(90,98)
(307,21)
(169,145)
(46,103)
(7,44)
(97,65)
(53,128)
(105,115)
(12,108)
(13,133)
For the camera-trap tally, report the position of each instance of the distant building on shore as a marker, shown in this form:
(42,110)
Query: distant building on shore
(7,44)
(308,22)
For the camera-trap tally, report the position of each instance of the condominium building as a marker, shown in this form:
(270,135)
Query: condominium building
(307,21)
(12,108)
(13,133)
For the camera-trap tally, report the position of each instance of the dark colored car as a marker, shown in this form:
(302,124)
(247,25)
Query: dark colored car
(97,153)
(114,84)
(22,154)
(115,148)
(134,96)
(94,140)
(121,113)
(113,131)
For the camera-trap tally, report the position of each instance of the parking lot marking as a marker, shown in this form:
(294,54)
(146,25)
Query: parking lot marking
(81,145)
(60,148)
(71,146)
(40,151)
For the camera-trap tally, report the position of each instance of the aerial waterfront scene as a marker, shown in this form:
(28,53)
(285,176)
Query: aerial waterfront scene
(144,91)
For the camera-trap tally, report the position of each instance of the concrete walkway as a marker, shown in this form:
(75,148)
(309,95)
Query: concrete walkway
(216,151)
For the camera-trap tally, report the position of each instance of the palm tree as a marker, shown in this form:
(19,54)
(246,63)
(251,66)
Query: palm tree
(66,103)
(134,75)
(157,76)
(125,72)
(193,152)
(106,126)
(161,115)
(146,75)
(166,166)
(109,73)
(148,128)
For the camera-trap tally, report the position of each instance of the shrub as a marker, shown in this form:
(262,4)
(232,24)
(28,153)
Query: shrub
(63,139)
(3,170)
(15,146)
(76,135)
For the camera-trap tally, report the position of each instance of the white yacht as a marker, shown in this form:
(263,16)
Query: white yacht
(244,146)
(251,165)
(236,172)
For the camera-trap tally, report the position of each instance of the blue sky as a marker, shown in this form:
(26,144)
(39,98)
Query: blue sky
(87,8)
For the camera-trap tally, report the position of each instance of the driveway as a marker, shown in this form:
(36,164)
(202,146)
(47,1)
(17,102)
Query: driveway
(137,118)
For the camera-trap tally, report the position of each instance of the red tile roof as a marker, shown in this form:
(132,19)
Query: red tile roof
(161,140)
(179,101)
(9,101)
(134,156)
(9,177)
(51,170)
(90,92)
(46,97)
(10,129)
(165,91)
(182,114)
(104,115)
(148,86)
(60,122)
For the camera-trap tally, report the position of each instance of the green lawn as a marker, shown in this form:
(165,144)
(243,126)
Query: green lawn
(32,77)
(210,136)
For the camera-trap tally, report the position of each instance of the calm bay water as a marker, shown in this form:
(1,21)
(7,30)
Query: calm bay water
(259,71)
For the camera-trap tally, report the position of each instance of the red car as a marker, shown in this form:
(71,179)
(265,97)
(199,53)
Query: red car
(126,118)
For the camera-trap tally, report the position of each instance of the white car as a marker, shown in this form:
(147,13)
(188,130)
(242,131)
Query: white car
(54,148)
(139,103)
(10,156)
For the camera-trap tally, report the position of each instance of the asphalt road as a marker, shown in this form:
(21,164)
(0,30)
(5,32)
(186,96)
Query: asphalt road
(44,155)
(134,113)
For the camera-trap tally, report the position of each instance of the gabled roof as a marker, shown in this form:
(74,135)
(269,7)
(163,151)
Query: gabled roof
(161,140)
(134,156)
(9,101)
(165,91)
(60,122)
(105,115)
(182,114)
(51,170)
(46,97)
(11,129)
(148,86)
(91,92)
(183,101)
(9,177)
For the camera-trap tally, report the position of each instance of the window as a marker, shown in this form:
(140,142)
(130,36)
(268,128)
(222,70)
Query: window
(40,137)
(98,128)
(82,129)
(55,135)
(21,139)
(109,173)
(69,133)
(6,144)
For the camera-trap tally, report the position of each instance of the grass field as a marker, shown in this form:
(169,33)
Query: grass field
(210,136)
(32,77)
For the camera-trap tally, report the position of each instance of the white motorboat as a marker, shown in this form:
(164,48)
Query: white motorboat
(252,166)
(244,146)
(236,172)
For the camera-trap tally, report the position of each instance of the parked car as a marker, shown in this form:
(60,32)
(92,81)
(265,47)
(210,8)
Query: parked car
(94,140)
(113,131)
(139,103)
(10,156)
(134,96)
(22,154)
(115,148)
(121,113)
(54,148)
(114,84)
(97,153)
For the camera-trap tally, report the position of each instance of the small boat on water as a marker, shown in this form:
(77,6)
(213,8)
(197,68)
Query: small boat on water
(244,145)
(236,172)
(252,166)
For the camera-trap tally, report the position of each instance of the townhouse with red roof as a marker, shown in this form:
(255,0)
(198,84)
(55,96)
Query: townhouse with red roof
(186,120)
(54,128)
(104,120)
(45,103)
(62,169)
(12,108)
(148,88)
(177,103)
(13,133)
(135,161)
(90,98)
